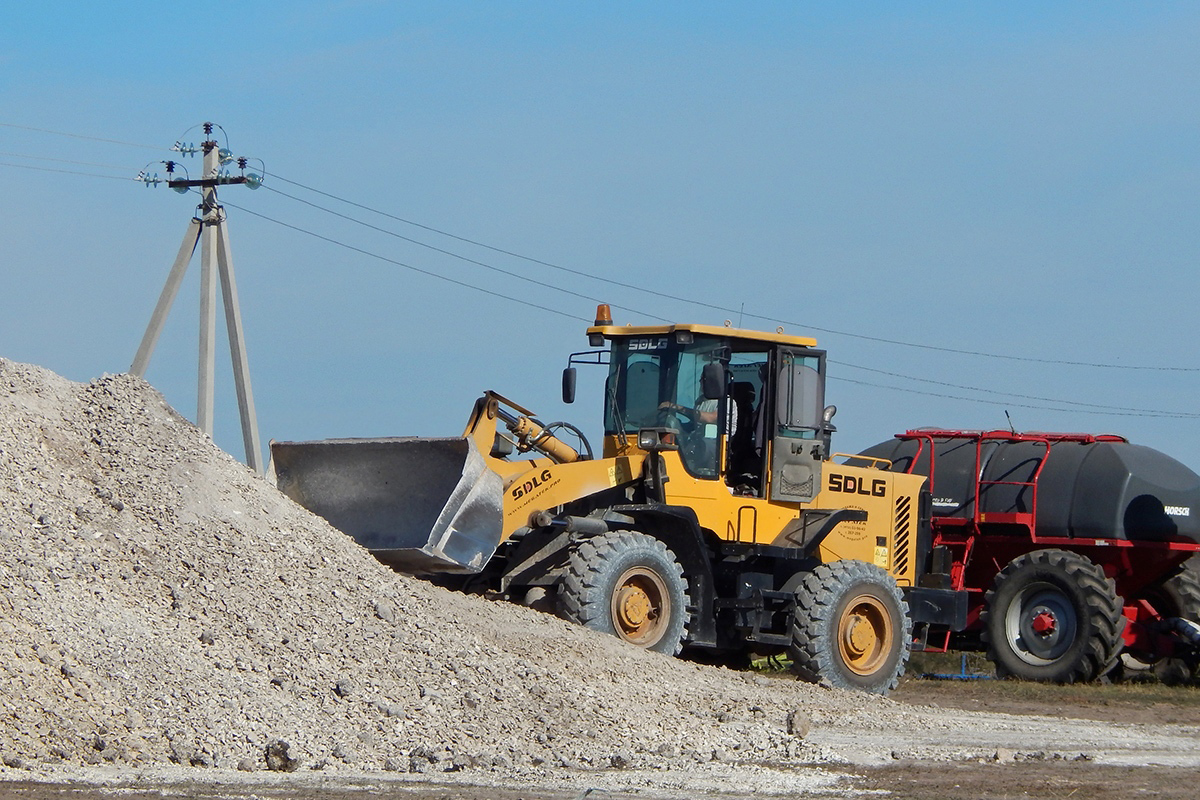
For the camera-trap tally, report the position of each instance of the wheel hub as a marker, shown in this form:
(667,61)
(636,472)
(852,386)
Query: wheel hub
(633,606)
(1041,624)
(860,636)
(1044,623)
(641,606)
(864,635)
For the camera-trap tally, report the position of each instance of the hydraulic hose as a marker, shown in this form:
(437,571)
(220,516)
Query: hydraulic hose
(1186,628)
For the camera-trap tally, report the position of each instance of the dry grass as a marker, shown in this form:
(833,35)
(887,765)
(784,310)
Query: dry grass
(966,681)
(1143,699)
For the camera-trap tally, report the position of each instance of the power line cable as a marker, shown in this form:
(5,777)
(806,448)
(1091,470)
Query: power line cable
(1098,406)
(664,295)
(502,251)
(980,353)
(1091,408)
(124,167)
(1166,415)
(475,242)
(64,171)
(458,256)
(732,311)
(80,136)
(368,253)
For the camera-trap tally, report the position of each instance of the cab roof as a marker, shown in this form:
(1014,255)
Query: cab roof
(625,331)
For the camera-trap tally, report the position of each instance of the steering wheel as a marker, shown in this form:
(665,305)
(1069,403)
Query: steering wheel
(689,433)
(667,417)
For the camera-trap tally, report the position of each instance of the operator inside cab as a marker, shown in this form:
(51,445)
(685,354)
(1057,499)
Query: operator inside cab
(659,382)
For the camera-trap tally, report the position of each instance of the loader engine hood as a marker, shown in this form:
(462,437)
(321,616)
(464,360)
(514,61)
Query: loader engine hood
(420,505)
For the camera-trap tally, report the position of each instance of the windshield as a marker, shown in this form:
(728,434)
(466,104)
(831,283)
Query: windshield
(635,375)
(657,382)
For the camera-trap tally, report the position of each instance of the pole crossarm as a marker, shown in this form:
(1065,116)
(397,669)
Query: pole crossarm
(223,180)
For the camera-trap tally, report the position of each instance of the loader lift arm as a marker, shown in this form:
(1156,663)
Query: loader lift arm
(525,432)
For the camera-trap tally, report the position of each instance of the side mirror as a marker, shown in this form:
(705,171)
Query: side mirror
(712,380)
(568,385)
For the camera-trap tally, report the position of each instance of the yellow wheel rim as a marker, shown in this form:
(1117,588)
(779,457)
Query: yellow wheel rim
(641,606)
(865,635)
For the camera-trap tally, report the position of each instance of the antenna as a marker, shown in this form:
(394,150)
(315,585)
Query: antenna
(1010,423)
(208,227)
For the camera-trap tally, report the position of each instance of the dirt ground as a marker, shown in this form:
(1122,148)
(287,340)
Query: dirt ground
(973,781)
(1144,703)
(1139,703)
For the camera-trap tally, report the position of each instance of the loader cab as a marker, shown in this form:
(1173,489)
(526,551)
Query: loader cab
(740,407)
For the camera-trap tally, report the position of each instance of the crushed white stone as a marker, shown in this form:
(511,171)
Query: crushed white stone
(160,603)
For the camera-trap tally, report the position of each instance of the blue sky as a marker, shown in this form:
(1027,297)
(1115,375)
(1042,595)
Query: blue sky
(1004,179)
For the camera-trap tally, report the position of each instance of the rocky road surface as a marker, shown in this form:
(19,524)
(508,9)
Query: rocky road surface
(166,615)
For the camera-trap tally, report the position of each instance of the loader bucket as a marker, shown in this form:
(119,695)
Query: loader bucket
(418,505)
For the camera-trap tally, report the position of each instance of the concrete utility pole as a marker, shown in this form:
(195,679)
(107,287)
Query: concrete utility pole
(210,228)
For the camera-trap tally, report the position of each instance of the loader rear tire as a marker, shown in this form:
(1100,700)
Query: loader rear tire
(851,628)
(1052,616)
(629,585)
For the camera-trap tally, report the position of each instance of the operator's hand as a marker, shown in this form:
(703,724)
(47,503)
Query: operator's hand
(669,406)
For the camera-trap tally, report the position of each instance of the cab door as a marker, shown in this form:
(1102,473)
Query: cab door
(797,448)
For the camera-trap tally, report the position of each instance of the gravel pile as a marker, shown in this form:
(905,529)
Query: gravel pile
(160,603)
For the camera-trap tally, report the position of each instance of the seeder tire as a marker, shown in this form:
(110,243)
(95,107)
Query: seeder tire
(1052,616)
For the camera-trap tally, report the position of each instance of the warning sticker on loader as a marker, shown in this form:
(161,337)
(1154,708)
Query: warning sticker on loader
(619,473)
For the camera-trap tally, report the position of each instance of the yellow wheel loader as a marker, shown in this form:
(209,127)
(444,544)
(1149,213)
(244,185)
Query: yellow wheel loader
(715,517)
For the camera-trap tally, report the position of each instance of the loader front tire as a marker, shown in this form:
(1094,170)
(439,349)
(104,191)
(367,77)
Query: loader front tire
(851,628)
(1052,616)
(629,585)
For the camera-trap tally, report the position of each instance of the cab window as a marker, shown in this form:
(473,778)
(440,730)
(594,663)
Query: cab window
(801,395)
